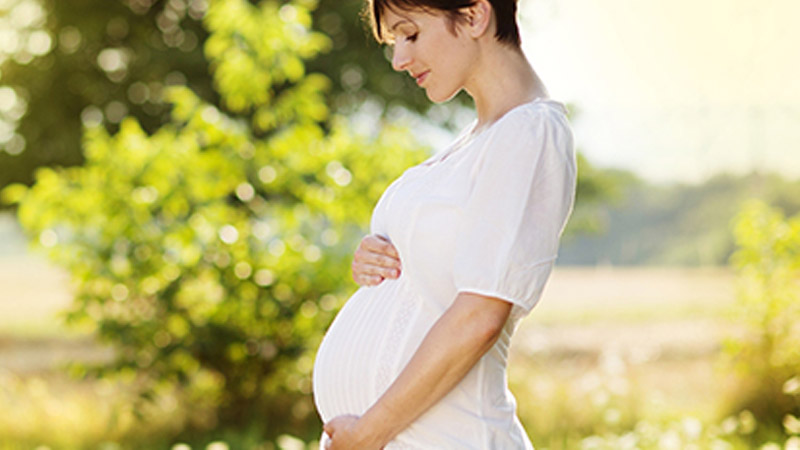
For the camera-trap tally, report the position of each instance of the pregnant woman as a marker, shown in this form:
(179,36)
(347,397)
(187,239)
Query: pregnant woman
(461,245)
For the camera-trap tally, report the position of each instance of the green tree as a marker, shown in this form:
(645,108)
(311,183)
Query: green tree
(596,188)
(99,61)
(213,252)
(767,353)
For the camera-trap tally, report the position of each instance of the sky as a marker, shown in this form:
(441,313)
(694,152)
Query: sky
(674,90)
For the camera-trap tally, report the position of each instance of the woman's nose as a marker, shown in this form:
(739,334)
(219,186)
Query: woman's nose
(400,57)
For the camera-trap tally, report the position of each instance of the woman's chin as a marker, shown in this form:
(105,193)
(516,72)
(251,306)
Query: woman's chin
(440,97)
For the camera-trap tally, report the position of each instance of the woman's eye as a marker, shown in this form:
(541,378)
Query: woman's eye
(412,37)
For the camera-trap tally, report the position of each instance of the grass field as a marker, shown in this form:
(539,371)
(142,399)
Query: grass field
(613,346)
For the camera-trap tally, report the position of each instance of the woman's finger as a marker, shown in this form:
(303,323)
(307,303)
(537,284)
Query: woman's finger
(366,277)
(367,257)
(367,269)
(368,280)
(374,249)
(380,244)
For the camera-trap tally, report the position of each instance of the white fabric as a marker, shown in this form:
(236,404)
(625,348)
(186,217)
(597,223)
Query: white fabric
(483,216)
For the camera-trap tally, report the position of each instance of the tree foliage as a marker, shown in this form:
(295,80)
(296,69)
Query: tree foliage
(213,252)
(676,224)
(596,189)
(105,61)
(767,260)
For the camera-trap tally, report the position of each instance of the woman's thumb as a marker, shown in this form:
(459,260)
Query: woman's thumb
(328,429)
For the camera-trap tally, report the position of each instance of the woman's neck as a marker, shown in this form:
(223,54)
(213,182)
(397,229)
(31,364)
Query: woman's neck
(503,79)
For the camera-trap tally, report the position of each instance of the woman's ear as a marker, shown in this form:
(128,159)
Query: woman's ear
(477,18)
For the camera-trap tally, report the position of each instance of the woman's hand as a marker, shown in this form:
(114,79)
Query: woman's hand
(375,260)
(467,330)
(344,434)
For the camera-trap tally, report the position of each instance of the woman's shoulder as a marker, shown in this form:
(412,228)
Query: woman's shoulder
(533,135)
(536,113)
(531,124)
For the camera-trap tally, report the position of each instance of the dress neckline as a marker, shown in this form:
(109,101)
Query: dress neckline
(471,133)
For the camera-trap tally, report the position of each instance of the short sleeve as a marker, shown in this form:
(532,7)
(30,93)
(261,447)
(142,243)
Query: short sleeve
(521,193)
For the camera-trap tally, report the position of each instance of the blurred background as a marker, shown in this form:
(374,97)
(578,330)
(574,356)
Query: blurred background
(183,183)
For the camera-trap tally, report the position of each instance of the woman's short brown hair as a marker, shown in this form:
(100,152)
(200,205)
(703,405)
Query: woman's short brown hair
(505,14)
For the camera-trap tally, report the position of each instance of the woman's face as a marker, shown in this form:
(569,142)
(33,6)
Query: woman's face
(426,47)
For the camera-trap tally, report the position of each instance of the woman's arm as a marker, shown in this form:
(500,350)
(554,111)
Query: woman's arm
(455,343)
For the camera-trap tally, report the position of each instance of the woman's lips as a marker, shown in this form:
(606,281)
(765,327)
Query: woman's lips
(421,77)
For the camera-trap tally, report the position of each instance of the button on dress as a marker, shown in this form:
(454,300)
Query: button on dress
(483,216)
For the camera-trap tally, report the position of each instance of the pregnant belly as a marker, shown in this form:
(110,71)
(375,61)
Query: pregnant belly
(358,356)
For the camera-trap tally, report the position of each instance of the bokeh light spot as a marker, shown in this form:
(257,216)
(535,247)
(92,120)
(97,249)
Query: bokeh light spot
(15,145)
(277,247)
(112,59)
(267,174)
(264,277)
(119,292)
(39,43)
(91,116)
(69,39)
(116,111)
(245,192)
(48,238)
(242,270)
(229,234)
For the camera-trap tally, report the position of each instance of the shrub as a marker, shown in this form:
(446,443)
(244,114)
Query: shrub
(213,253)
(767,354)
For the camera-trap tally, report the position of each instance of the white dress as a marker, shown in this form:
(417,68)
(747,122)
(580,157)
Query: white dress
(483,216)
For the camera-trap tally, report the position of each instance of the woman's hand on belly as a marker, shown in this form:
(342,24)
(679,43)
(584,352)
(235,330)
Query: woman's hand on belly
(344,435)
(375,259)
(455,343)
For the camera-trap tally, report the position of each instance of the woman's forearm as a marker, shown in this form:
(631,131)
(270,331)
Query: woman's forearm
(464,333)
